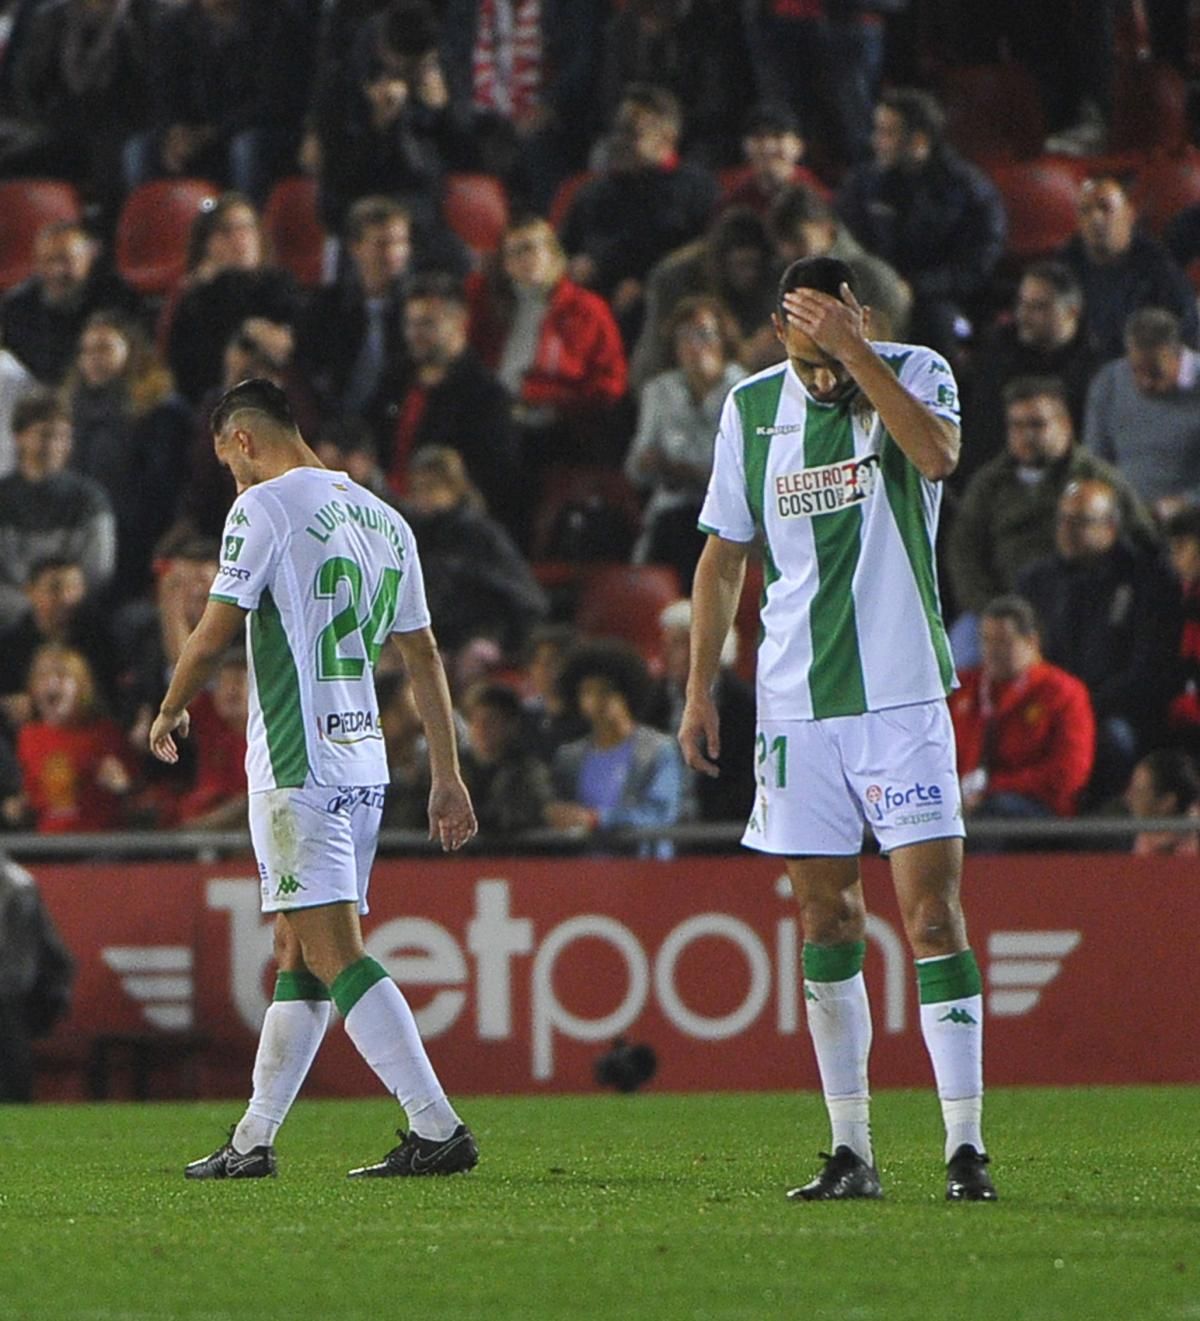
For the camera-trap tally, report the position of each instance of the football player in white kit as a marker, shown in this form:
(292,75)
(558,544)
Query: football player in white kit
(832,461)
(320,574)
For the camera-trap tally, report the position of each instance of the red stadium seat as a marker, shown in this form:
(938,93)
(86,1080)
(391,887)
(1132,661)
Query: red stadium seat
(26,207)
(993,111)
(1149,109)
(564,195)
(294,229)
(1164,186)
(475,206)
(624,601)
(153,229)
(585,512)
(1041,198)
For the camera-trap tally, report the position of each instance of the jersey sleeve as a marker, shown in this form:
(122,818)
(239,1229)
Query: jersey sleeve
(412,612)
(726,510)
(250,550)
(926,375)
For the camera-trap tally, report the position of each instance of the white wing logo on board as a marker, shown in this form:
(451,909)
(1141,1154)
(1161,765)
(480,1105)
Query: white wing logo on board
(159,978)
(1021,964)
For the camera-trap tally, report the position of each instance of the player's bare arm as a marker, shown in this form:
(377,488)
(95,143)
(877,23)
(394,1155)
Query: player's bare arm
(219,628)
(838,328)
(716,590)
(451,816)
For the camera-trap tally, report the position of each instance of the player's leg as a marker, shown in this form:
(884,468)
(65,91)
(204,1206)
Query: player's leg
(381,1025)
(292,1031)
(829,894)
(927,877)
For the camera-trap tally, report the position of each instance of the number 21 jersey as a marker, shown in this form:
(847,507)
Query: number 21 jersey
(327,571)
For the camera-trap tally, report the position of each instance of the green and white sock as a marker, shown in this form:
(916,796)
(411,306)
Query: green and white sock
(293,1028)
(839,1022)
(381,1025)
(951,995)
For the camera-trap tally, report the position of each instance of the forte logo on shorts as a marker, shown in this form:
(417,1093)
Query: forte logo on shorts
(826,489)
(349,726)
(907,805)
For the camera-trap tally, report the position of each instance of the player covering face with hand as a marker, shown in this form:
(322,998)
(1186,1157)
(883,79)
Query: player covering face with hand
(321,575)
(833,461)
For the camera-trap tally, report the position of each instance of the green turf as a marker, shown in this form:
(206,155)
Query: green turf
(646,1206)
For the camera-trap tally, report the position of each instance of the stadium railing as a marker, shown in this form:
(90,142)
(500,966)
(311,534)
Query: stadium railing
(1080,833)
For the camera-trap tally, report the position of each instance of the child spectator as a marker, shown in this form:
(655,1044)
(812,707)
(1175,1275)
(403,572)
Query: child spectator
(73,759)
(217,799)
(1164,783)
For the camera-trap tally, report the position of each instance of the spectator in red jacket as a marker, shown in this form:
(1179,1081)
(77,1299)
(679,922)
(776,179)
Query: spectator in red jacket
(1024,728)
(553,344)
(774,148)
(73,759)
(217,798)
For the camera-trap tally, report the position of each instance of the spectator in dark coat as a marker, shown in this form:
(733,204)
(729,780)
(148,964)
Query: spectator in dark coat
(352,334)
(391,126)
(645,204)
(83,74)
(228,281)
(479,588)
(1043,338)
(1120,269)
(230,78)
(932,215)
(452,399)
(131,436)
(40,320)
(48,512)
(1110,614)
(36,973)
(509,783)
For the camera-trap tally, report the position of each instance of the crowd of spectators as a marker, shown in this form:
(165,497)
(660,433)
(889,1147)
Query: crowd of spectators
(662,161)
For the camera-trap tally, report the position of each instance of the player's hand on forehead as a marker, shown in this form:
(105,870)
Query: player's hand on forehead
(830,322)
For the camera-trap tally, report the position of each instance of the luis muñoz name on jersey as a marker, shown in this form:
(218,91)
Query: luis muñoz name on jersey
(827,488)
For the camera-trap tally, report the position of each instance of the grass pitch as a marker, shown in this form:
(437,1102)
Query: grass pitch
(648,1206)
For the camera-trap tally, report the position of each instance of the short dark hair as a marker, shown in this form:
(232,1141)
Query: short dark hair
(1023,388)
(1017,610)
(1173,772)
(36,408)
(657,100)
(51,564)
(794,207)
(825,274)
(370,211)
(772,118)
(1152,328)
(498,697)
(257,393)
(612,660)
(1060,277)
(438,284)
(409,27)
(1183,523)
(919,111)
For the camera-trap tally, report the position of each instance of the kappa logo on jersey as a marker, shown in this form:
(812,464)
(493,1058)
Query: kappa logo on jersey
(785,430)
(239,518)
(826,489)
(233,548)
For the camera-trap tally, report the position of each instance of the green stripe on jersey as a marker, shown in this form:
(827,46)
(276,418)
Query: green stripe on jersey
(758,406)
(278,694)
(902,482)
(835,679)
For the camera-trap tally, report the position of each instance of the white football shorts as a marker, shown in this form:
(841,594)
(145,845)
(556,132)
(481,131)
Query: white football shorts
(315,845)
(821,781)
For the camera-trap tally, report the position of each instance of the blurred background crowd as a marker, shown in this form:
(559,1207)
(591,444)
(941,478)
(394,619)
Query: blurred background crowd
(507,257)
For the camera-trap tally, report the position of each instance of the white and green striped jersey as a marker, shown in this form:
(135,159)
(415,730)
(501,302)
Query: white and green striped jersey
(327,572)
(851,619)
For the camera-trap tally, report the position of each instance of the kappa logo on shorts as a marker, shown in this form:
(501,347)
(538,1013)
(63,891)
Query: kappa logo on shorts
(288,886)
